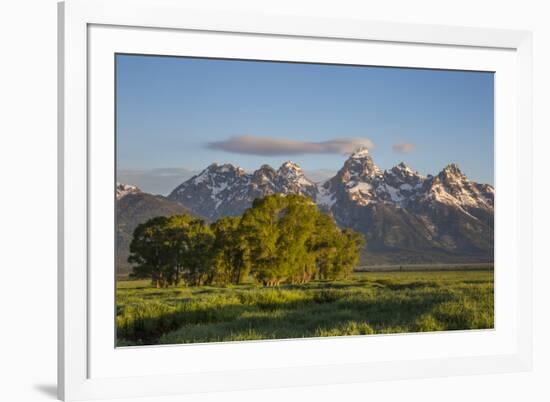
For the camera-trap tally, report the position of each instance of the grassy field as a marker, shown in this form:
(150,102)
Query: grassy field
(368,303)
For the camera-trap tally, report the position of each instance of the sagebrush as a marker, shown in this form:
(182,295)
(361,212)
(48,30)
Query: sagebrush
(367,303)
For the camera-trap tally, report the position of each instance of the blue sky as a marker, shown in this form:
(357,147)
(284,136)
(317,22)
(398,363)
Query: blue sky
(184,113)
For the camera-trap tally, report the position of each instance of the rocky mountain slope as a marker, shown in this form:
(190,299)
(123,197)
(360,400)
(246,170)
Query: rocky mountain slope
(222,190)
(132,208)
(405,217)
(409,218)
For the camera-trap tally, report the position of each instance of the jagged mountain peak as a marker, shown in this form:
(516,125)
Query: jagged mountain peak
(222,190)
(264,173)
(263,180)
(452,180)
(290,169)
(452,187)
(360,164)
(402,183)
(223,168)
(291,180)
(216,172)
(359,153)
(266,167)
(452,169)
(290,166)
(404,170)
(226,189)
(402,166)
(396,209)
(125,189)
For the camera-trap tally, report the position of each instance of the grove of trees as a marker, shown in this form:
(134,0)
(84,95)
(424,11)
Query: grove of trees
(279,239)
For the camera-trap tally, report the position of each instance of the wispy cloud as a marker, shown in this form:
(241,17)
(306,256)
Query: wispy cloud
(404,147)
(269,146)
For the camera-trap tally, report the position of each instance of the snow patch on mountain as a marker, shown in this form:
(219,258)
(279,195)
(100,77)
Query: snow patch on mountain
(360,153)
(325,198)
(225,189)
(123,190)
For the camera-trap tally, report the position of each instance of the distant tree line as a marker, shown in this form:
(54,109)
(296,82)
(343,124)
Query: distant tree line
(279,239)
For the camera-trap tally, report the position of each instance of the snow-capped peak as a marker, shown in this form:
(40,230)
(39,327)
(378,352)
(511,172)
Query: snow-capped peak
(397,207)
(404,167)
(452,169)
(404,172)
(221,190)
(224,168)
(360,153)
(266,167)
(290,168)
(125,189)
(291,178)
(360,165)
(214,170)
(290,165)
(264,175)
(452,187)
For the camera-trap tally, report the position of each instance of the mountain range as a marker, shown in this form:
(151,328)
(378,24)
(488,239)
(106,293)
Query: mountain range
(405,217)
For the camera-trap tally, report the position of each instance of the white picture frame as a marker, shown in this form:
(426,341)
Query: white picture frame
(90,32)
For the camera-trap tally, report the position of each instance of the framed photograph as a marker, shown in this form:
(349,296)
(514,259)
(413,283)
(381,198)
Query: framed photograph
(255,201)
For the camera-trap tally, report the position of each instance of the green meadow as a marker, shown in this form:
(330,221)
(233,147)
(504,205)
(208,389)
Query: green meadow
(367,303)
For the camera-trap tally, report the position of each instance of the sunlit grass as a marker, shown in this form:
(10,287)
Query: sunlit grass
(368,303)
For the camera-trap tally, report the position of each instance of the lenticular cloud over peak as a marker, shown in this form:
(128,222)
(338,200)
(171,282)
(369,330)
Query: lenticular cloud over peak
(270,146)
(403,147)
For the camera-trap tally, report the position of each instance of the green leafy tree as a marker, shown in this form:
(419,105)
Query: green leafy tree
(323,244)
(336,251)
(150,252)
(349,251)
(198,254)
(231,251)
(296,226)
(176,233)
(259,226)
(279,239)
(291,240)
(168,250)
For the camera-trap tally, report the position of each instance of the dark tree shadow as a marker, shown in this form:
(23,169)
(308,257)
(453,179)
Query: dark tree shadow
(324,311)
